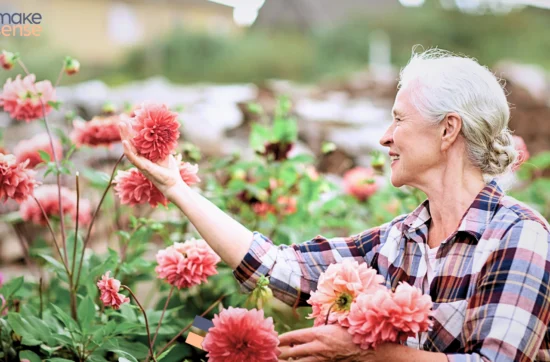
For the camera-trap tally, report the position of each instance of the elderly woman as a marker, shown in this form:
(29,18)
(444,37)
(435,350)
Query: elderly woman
(482,256)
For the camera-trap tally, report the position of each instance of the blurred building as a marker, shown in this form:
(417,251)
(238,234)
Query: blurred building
(100,31)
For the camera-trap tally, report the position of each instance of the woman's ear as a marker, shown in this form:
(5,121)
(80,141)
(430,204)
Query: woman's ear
(452,124)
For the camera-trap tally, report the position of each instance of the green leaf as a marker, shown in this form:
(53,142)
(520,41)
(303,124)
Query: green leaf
(55,104)
(65,318)
(86,312)
(57,359)
(328,147)
(258,137)
(96,178)
(255,108)
(165,353)
(57,266)
(25,329)
(31,356)
(45,156)
(11,287)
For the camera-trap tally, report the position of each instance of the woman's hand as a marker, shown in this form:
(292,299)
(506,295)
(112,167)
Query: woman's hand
(164,174)
(324,343)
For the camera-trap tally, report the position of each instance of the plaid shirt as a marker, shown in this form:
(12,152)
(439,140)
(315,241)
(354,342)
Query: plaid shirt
(491,289)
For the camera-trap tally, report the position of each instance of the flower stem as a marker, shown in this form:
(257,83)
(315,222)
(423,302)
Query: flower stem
(190,324)
(58,174)
(93,219)
(72,289)
(145,317)
(161,317)
(328,314)
(53,234)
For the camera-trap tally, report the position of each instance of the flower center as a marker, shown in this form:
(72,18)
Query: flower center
(344,301)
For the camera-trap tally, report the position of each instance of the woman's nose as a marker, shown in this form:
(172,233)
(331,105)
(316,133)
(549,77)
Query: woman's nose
(386,139)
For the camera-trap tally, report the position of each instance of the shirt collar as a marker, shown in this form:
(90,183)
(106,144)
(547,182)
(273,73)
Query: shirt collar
(475,219)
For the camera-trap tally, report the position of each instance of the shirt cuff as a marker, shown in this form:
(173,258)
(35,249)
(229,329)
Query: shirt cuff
(472,357)
(252,267)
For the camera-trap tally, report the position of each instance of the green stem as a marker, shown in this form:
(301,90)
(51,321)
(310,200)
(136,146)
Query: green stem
(144,317)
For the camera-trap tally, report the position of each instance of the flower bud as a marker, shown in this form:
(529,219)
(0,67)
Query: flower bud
(378,161)
(72,66)
(7,60)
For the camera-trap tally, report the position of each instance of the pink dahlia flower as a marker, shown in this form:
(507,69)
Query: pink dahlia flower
(134,188)
(156,131)
(287,204)
(188,172)
(338,287)
(361,182)
(99,131)
(187,264)
(263,208)
(47,195)
(241,335)
(16,180)
(389,317)
(109,289)
(523,156)
(28,149)
(21,97)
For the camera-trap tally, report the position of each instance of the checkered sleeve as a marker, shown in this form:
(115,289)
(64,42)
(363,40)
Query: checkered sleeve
(508,316)
(293,270)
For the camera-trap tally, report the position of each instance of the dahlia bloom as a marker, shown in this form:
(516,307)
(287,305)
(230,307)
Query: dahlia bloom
(287,204)
(28,149)
(156,131)
(133,188)
(263,208)
(241,335)
(109,289)
(16,180)
(338,287)
(1,279)
(361,182)
(187,264)
(99,131)
(523,156)
(7,60)
(188,172)
(47,195)
(389,317)
(21,97)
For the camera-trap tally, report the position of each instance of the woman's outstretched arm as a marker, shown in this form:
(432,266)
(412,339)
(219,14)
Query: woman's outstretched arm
(226,236)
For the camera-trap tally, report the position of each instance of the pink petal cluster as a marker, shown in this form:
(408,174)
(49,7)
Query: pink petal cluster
(28,149)
(241,335)
(133,188)
(109,289)
(188,172)
(156,131)
(47,195)
(99,131)
(361,182)
(523,156)
(187,264)
(389,317)
(21,97)
(338,287)
(16,180)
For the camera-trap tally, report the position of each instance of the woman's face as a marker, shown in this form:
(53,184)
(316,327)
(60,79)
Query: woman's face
(416,142)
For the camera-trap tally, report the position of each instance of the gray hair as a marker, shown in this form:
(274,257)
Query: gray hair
(444,83)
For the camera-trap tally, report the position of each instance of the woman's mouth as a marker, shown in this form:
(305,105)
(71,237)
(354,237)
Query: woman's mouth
(394,159)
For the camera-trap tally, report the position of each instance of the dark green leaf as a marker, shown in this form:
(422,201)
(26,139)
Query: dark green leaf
(86,312)
(9,288)
(25,329)
(65,318)
(29,355)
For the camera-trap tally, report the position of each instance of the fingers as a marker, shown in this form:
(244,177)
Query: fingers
(299,350)
(299,336)
(138,161)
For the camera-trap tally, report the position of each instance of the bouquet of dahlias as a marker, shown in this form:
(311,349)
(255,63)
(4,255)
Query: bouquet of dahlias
(353,295)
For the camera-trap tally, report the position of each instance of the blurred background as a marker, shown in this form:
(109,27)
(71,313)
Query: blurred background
(224,65)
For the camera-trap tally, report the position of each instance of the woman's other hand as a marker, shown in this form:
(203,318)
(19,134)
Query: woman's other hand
(324,343)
